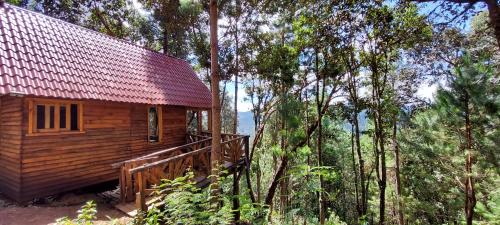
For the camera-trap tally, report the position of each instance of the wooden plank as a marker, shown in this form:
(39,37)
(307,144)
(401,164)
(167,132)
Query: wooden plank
(114,132)
(11,118)
(30,117)
(141,193)
(80,117)
(57,120)
(160,123)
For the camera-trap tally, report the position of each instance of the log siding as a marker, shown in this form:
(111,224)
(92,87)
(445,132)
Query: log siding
(10,146)
(53,163)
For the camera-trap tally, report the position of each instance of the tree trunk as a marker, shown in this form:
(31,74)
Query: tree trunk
(284,160)
(395,147)
(259,183)
(215,154)
(355,171)
(319,141)
(379,141)
(284,181)
(165,40)
(362,182)
(353,92)
(494,14)
(236,193)
(237,72)
(274,184)
(470,195)
(104,22)
(383,179)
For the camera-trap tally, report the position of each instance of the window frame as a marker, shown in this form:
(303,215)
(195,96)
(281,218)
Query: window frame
(159,111)
(47,103)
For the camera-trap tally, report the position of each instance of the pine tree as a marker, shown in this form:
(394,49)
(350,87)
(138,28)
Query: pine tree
(465,108)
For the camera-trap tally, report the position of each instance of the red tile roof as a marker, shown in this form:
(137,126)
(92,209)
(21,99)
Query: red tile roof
(43,56)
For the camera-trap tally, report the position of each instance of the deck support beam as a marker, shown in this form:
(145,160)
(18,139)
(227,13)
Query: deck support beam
(236,195)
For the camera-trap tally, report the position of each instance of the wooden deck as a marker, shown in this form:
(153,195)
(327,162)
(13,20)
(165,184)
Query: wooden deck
(139,175)
(130,208)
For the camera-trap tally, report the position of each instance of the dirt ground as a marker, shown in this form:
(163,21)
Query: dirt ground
(48,210)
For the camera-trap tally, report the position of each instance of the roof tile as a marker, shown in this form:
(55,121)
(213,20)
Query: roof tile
(43,56)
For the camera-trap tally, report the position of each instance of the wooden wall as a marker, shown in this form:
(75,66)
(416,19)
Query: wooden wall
(10,145)
(113,132)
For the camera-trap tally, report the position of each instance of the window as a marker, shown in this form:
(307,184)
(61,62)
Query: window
(155,124)
(197,120)
(54,116)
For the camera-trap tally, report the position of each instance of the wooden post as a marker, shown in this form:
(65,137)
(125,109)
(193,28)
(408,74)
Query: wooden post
(30,114)
(200,121)
(122,184)
(140,196)
(128,184)
(247,169)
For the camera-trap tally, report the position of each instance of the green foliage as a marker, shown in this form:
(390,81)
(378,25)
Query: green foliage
(278,63)
(434,148)
(334,220)
(181,202)
(86,216)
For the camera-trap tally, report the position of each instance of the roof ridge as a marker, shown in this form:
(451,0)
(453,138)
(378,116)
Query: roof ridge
(7,6)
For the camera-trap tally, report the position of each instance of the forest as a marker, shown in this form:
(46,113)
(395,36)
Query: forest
(365,111)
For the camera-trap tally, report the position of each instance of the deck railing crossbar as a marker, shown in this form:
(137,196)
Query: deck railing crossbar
(161,152)
(135,174)
(178,157)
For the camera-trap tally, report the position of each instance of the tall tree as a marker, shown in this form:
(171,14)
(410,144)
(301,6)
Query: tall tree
(215,154)
(175,19)
(237,62)
(387,34)
(469,96)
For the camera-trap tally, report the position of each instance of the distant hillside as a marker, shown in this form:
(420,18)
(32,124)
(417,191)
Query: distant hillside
(363,122)
(245,123)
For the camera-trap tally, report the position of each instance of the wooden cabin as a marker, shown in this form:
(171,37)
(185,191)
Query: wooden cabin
(74,101)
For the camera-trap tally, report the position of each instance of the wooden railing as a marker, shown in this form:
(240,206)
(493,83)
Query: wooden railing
(138,175)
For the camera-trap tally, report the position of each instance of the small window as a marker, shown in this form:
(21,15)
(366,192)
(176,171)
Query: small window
(52,110)
(54,116)
(62,116)
(40,114)
(74,117)
(155,122)
(197,120)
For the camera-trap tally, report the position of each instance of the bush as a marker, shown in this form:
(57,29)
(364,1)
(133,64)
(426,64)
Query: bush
(86,215)
(179,201)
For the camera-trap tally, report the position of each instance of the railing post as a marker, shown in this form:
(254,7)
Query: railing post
(199,122)
(128,184)
(123,185)
(140,196)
